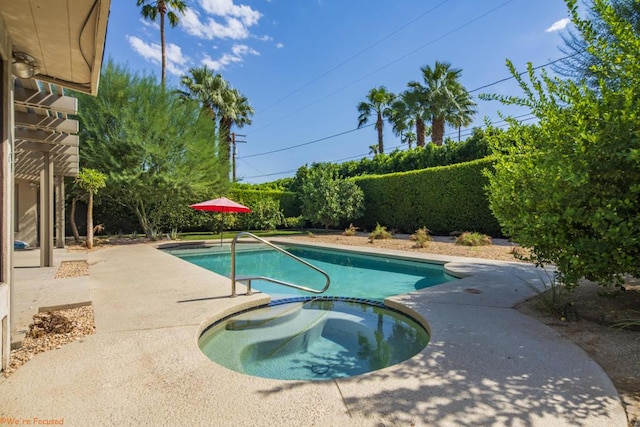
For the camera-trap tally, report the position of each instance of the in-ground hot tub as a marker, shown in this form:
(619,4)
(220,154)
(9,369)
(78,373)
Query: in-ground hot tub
(310,338)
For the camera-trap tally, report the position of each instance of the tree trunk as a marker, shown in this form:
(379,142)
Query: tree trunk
(379,124)
(420,133)
(164,53)
(72,219)
(437,130)
(90,222)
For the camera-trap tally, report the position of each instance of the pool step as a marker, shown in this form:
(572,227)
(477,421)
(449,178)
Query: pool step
(267,318)
(287,338)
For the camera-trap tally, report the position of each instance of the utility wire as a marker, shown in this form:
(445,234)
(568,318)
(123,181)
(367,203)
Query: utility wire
(448,33)
(308,143)
(471,91)
(346,61)
(396,146)
(524,72)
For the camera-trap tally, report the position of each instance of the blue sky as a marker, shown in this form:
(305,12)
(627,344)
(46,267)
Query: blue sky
(306,64)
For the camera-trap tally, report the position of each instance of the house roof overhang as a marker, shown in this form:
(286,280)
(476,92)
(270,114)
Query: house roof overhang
(64,37)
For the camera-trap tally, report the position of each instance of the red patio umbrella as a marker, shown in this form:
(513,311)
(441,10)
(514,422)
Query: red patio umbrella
(221,204)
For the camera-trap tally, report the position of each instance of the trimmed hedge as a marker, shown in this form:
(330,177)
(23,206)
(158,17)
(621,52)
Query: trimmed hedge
(443,199)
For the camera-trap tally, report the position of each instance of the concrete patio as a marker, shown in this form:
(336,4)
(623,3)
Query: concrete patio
(486,363)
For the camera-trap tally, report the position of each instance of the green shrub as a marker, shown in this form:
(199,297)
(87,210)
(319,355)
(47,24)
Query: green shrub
(350,230)
(473,239)
(293,222)
(421,237)
(379,232)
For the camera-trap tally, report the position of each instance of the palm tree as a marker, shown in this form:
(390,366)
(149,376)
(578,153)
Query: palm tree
(409,111)
(440,93)
(464,110)
(233,111)
(151,10)
(222,103)
(379,101)
(205,87)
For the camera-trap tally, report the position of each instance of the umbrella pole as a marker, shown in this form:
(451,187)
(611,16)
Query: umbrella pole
(221,227)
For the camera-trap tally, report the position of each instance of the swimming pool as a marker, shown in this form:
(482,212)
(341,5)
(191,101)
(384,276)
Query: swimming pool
(313,338)
(352,274)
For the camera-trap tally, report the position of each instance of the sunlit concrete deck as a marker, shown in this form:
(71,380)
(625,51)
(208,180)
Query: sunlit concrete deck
(486,363)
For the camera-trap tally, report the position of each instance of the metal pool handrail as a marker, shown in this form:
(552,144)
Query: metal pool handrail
(248,279)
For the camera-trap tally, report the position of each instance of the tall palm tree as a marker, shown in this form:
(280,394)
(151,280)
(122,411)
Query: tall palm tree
(378,102)
(222,103)
(205,87)
(233,111)
(409,111)
(154,9)
(440,93)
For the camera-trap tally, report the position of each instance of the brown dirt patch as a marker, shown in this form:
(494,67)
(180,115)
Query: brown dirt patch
(504,251)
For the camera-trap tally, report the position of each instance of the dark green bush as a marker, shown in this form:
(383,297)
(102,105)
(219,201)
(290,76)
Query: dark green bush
(444,199)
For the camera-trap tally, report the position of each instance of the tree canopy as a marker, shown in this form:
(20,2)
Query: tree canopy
(327,199)
(154,147)
(569,187)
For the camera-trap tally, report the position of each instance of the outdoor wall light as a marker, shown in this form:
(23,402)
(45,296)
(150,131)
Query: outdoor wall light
(23,66)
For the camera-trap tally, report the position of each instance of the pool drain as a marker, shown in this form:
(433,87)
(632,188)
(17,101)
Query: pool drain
(320,369)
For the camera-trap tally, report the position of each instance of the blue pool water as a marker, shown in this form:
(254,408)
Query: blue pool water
(313,339)
(352,274)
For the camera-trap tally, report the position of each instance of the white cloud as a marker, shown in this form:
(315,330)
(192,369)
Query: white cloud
(152,52)
(558,25)
(226,8)
(279,45)
(210,29)
(238,52)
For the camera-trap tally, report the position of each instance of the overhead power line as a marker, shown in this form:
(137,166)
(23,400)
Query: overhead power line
(524,72)
(448,33)
(397,146)
(471,91)
(346,61)
(307,143)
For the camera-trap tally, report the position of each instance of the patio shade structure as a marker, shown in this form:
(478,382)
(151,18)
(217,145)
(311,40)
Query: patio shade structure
(223,205)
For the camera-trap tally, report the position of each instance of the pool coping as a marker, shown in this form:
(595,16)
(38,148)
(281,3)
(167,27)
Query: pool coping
(486,363)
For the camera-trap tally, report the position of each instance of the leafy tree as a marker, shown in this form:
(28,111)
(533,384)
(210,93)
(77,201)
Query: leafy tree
(444,97)
(569,187)
(327,199)
(154,147)
(580,63)
(378,103)
(91,181)
(158,9)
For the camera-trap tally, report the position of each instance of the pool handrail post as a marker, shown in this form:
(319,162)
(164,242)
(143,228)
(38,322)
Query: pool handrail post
(281,282)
